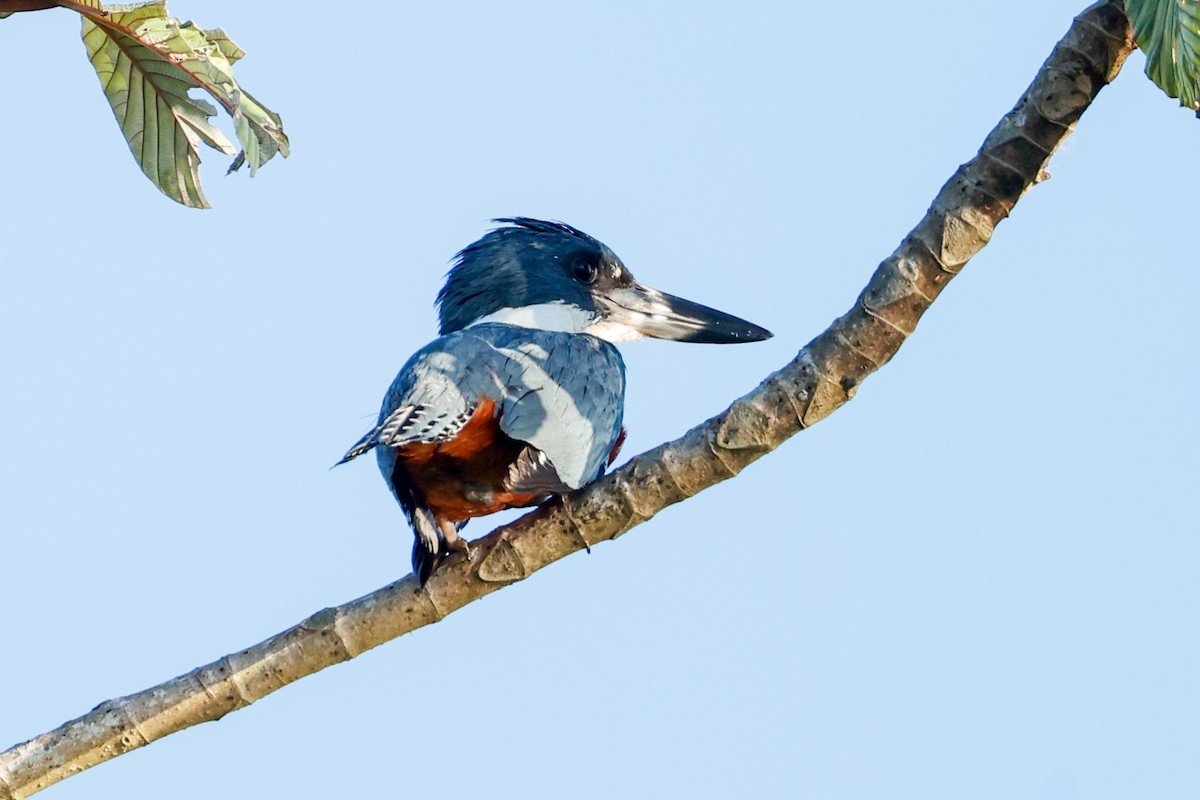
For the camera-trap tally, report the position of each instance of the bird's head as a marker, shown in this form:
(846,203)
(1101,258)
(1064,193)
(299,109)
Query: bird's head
(550,276)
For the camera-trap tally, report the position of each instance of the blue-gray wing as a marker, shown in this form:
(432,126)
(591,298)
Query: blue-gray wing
(434,395)
(563,394)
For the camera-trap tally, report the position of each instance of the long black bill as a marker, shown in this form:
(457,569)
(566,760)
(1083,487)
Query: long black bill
(664,316)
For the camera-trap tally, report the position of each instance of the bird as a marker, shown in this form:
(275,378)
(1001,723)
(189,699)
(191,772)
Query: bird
(521,397)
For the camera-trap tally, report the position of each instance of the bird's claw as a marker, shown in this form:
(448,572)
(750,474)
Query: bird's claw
(457,552)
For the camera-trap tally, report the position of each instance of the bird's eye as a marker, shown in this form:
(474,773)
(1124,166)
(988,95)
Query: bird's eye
(584,271)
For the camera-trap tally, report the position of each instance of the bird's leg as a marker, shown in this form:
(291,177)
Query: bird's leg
(454,543)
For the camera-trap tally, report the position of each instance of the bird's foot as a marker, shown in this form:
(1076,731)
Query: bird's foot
(455,549)
(456,553)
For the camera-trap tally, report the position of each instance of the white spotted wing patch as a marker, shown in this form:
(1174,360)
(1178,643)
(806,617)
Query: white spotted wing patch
(420,424)
(409,425)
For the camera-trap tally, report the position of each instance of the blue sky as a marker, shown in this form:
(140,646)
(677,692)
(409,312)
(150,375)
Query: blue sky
(977,579)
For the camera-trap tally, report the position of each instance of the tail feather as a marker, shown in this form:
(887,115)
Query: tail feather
(428,544)
(424,562)
(398,428)
(364,444)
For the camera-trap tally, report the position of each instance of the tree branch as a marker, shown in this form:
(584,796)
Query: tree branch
(82,6)
(17,6)
(823,376)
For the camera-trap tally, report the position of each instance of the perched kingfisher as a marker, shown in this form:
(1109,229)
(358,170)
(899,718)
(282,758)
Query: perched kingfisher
(522,396)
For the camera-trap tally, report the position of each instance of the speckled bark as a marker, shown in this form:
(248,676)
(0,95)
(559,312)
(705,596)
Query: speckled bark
(823,376)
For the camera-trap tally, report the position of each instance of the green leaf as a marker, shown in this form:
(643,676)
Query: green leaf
(1168,31)
(147,62)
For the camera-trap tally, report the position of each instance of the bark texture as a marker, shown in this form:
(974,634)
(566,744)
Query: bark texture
(822,376)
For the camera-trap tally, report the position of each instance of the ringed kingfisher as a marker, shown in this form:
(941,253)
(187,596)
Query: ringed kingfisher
(522,396)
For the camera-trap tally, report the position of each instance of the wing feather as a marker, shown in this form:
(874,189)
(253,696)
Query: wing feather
(562,394)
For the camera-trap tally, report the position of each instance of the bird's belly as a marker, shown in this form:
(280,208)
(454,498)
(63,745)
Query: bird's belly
(459,502)
(466,476)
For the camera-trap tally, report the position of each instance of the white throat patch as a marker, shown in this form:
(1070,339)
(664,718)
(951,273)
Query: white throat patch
(615,332)
(556,316)
(564,318)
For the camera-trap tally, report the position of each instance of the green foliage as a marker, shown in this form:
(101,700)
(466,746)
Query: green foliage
(147,63)
(1168,31)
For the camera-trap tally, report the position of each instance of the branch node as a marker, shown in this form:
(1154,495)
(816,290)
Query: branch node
(726,459)
(224,673)
(795,389)
(427,593)
(849,345)
(876,315)
(6,792)
(657,489)
(742,427)
(136,736)
(917,240)
(340,629)
(502,564)
(576,528)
